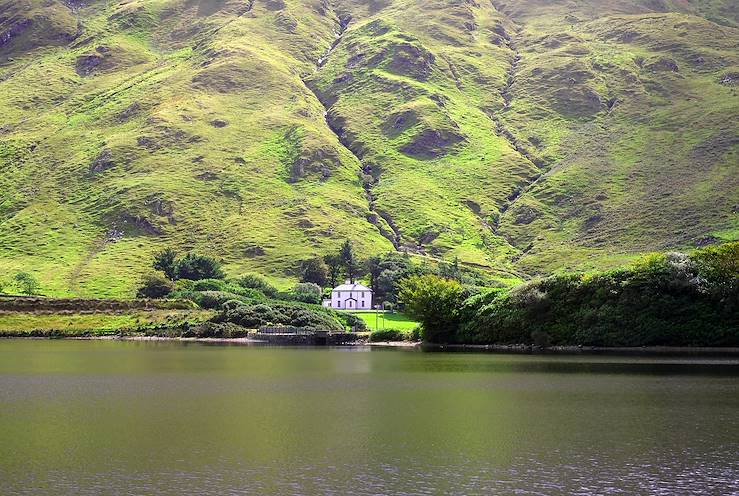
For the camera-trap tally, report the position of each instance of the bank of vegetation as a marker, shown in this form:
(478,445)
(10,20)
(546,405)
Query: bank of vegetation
(249,301)
(665,299)
(62,317)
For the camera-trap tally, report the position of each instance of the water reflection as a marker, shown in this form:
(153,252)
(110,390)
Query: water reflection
(166,418)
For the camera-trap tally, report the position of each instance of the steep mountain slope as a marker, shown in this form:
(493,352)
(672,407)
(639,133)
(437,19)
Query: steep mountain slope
(520,136)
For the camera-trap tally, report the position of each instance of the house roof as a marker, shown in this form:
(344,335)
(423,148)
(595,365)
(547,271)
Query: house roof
(351,287)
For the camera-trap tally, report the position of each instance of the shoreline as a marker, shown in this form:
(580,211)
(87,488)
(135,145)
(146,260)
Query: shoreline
(417,345)
(576,349)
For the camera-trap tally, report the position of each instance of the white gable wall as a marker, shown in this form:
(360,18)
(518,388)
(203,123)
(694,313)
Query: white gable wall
(351,300)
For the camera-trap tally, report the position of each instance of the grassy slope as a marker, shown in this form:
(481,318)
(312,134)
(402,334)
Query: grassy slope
(19,323)
(658,169)
(132,126)
(396,321)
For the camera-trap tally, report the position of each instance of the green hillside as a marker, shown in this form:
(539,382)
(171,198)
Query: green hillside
(520,136)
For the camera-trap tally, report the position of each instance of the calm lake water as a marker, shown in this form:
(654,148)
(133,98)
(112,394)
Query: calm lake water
(143,418)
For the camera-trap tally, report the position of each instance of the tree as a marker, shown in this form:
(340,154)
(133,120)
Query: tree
(26,283)
(334,268)
(435,302)
(387,284)
(155,286)
(314,270)
(350,261)
(392,268)
(166,261)
(307,292)
(196,267)
(374,269)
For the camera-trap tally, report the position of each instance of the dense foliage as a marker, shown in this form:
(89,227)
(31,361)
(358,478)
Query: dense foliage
(192,266)
(155,286)
(307,292)
(276,313)
(665,299)
(435,302)
(255,281)
(196,267)
(314,270)
(166,262)
(387,335)
(382,335)
(251,302)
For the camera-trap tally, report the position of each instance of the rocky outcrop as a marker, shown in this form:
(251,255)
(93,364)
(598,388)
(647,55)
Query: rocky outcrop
(87,64)
(308,158)
(14,30)
(409,60)
(432,143)
(729,79)
(663,64)
(102,162)
(129,112)
(163,136)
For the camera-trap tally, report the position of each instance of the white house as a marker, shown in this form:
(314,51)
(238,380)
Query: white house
(350,296)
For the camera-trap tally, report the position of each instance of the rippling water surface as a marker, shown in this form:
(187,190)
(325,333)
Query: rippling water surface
(130,418)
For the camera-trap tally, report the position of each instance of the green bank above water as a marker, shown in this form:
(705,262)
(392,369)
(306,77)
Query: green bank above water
(664,299)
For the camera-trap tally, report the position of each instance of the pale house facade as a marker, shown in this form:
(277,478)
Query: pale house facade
(350,296)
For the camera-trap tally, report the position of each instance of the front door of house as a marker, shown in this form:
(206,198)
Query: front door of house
(350,303)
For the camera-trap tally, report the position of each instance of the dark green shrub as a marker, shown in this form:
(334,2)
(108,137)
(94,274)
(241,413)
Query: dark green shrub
(209,285)
(280,313)
(154,286)
(26,283)
(224,330)
(387,335)
(197,267)
(354,322)
(231,305)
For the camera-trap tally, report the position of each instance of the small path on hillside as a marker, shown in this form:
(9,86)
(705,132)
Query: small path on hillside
(98,246)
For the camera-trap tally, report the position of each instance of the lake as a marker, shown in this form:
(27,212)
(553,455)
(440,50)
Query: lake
(169,418)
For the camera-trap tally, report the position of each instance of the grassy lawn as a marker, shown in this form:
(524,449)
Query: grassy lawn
(97,323)
(396,321)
